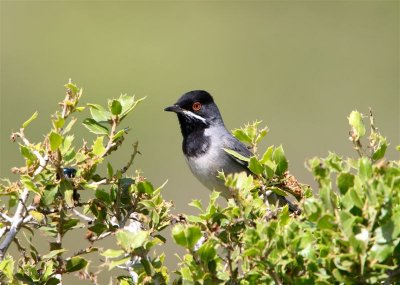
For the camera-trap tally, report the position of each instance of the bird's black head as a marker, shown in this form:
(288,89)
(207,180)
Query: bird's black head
(196,110)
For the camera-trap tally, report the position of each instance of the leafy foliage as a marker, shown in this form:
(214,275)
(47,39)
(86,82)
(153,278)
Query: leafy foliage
(55,173)
(346,232)
(349,234)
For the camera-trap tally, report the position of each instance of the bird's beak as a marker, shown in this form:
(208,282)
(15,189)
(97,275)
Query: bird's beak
(174,108)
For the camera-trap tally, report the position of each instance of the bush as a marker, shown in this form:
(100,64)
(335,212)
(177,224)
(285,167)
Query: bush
(348,233)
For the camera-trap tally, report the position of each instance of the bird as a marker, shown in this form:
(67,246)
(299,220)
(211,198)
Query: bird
(205,139)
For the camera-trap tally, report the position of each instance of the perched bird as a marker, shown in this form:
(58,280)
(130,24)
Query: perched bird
(204,140)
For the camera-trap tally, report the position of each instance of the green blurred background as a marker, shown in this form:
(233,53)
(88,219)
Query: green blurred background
(301,67)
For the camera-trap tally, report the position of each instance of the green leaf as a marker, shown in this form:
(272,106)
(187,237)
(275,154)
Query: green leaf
(67,191)
(277,191)
(110,170)
(7,267)
(357,124)
(59,123)
(53,253)
(115,107)
(119,262)
(178,233)
(28,184)
(27,153)
(55,140)
(98,147)
(186,236)
(37,215)
(119,134)
(278,156)
(112,253)
(380,149)
(365,168)
(255,166)
(103,196)
(241,135)
(236,154)
(27,122)
(267,154)
(345,181)
(197,204)
(129,241)
(98,228)
(145,187)
(95,127)
(76,263)
(128,103)
(99,114)
(74,89)
(207,251)
(69,126)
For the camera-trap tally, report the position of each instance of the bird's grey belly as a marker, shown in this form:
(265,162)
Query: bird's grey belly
(206,168)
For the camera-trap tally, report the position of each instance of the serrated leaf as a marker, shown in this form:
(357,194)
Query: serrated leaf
(128,103)
(27,122)
(241,135)
(59,123)
(197,204)
(76,263)
(357,124)
(115,107)
(95,127)
(55,140)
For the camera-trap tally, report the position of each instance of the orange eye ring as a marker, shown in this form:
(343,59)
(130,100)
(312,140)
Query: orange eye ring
(196,106)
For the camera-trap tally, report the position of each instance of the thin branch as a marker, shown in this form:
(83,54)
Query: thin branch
(6,217)
(82,216)
(135,151)
(100,237)
(16,224)
(21,211)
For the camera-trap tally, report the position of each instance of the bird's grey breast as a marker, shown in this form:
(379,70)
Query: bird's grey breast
(206,166)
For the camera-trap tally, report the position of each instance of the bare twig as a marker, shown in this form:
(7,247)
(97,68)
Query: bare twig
(135,151)
(82,216)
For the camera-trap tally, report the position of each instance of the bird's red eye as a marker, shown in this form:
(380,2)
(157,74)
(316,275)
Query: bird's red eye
(196,106)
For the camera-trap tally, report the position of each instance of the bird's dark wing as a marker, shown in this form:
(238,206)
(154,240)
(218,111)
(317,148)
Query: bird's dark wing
(232,144)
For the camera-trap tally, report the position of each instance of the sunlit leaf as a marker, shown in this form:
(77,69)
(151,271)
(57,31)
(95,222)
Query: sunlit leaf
(95,127)
(27,122)
(55,140)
